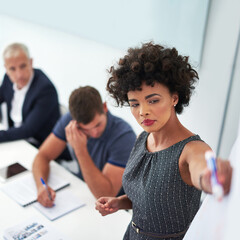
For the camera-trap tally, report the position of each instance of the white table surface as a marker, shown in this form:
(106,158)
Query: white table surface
(82,224)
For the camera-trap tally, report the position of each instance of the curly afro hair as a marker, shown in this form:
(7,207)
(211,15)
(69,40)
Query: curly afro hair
(150,64)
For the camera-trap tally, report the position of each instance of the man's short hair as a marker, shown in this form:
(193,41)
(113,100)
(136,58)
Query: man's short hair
(85,103)
(14,50)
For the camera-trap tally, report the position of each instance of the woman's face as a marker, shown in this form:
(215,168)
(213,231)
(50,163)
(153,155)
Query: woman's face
(153,106)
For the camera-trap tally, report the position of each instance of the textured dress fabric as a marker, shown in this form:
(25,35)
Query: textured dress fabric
(162,202)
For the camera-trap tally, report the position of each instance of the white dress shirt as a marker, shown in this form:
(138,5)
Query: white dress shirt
(17,103)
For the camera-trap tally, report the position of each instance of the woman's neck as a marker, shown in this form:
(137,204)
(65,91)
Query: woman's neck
(172,133)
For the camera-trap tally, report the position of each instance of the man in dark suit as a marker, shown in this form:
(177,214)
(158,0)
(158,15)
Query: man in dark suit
(31,98)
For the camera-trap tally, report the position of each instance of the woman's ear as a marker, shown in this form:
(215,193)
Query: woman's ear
(175,99)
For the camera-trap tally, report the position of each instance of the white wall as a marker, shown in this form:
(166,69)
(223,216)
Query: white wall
(71,61)
(204,116)
(231,122)
(120,24)
(68,60)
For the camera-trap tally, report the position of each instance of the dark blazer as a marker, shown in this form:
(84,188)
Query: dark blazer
(40,109)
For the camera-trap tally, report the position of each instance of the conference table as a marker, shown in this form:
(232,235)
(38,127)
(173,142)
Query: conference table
(84,223)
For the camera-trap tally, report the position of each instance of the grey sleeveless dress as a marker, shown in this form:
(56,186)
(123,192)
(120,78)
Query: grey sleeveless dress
(162,203)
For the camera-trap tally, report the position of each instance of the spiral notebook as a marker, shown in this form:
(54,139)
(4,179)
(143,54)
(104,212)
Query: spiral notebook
(23,189)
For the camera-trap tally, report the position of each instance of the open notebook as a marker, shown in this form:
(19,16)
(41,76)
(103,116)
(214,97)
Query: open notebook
(65,202)
(23,189)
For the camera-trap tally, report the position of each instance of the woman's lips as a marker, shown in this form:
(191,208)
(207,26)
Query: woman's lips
(148,122)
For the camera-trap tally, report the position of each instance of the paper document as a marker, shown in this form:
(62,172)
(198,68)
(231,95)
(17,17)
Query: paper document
(31,229)
(65,202)
(23,190)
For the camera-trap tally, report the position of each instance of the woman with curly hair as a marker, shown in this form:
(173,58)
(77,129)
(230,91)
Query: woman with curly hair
(166,171)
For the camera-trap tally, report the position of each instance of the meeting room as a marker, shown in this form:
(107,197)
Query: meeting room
(119,119)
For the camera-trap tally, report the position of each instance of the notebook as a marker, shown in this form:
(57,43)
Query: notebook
(64,203)
(23,189)
(33,228)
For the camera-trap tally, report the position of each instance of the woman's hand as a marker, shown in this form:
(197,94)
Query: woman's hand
(107,205)
(224,175)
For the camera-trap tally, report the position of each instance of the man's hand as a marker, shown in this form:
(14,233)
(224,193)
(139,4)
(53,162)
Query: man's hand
(75,136)
(43,197)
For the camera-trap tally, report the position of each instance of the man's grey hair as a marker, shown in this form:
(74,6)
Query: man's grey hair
(14,49)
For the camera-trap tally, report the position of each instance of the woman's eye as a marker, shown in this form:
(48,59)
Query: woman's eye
(153,101)
(134,105)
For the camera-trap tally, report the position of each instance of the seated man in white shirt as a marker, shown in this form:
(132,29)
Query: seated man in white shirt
(27,93)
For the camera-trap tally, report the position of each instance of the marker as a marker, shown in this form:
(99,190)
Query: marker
(217,188)
(44,184)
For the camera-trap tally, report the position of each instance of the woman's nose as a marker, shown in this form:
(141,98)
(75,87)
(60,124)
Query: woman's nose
(144,111)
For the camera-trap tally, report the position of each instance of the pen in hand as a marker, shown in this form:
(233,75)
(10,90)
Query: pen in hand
(44,184)
(217,188)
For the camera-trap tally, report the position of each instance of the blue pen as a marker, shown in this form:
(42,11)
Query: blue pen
(44,184)
(217,188)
